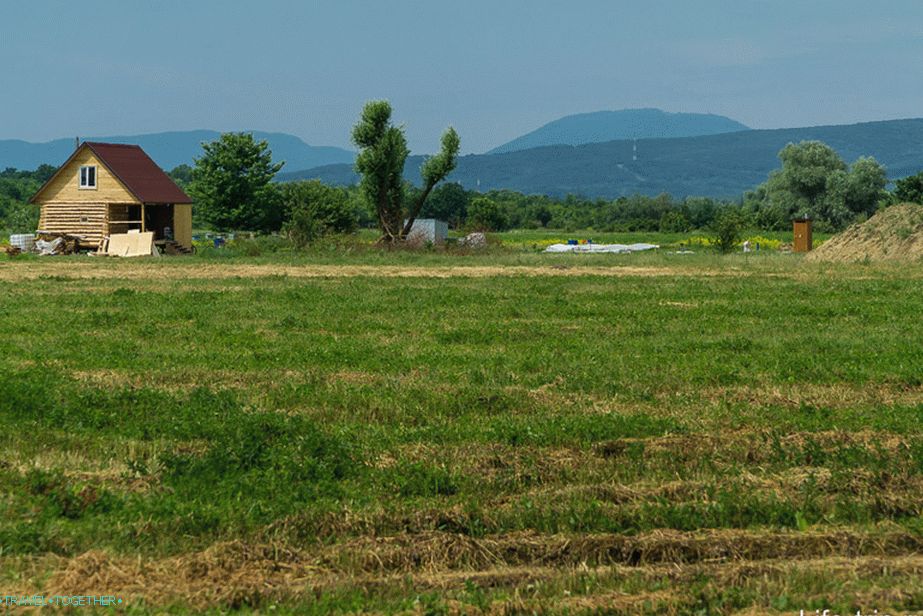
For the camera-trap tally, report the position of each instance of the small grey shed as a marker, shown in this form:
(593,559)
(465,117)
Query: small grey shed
(429,230)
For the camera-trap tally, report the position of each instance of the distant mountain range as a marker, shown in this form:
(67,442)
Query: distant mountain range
(721,165)
(172,148)
(602,126)
(648,157)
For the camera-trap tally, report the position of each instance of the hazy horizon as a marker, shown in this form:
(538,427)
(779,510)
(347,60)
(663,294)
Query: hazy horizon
(493,71)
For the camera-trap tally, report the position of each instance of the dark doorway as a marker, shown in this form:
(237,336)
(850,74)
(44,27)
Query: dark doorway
(159,219)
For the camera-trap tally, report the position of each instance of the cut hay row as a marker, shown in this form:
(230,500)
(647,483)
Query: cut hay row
(210,271)
(447,551)
(755,445)
(898,493)
(235,573)
(749,446)
(839,396)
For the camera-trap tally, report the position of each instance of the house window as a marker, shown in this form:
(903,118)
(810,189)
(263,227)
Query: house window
(88,176)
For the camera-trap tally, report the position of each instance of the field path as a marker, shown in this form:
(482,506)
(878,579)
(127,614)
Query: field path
(13,272)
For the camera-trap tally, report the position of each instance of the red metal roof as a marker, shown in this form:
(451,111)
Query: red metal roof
(140,175)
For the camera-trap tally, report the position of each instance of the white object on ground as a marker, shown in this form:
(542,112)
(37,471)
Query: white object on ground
(428,230)
(49,247)
(601,248)
(474,240)
(23,241)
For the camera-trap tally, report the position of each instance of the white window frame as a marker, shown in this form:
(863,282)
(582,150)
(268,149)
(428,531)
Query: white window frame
(80,177)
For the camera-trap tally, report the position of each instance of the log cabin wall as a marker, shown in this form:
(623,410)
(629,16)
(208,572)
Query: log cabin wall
(87,220)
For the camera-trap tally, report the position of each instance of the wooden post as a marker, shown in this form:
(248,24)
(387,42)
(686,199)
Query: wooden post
(142,218)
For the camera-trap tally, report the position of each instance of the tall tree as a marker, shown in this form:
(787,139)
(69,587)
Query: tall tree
(232,184)
(382,154)
(805,169)
(866,183)
(909,189)
(313,209)
(814,181)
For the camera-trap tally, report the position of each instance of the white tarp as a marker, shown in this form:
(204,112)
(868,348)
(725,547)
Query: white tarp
(51,247)
(601,248)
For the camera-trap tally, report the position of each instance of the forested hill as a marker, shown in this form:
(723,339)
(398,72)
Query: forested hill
(715,165)
(602,126)
(171,149)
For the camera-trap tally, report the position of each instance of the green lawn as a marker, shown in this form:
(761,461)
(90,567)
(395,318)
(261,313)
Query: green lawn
(650,433)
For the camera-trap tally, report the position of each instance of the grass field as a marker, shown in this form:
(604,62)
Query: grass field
(424,433)
(539,238)
(535,240)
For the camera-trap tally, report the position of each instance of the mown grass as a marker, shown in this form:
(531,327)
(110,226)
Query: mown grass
(153,414)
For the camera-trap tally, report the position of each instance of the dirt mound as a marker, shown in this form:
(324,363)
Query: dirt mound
(895,234)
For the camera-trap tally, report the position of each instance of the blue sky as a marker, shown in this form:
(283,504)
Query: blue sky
(494,69)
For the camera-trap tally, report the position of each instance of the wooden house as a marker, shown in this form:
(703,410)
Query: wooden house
(109,188)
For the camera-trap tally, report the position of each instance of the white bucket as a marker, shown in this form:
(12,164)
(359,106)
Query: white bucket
(23,241)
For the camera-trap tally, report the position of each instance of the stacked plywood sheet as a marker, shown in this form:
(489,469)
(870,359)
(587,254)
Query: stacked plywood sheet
(130,245)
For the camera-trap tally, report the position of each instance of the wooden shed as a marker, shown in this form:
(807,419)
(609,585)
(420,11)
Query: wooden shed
(803,235)
(108,188)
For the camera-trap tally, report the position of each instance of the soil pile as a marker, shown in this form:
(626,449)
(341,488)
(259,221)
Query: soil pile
(894,233)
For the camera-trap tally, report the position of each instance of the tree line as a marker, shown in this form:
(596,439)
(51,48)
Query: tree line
(306,209)
(233,187)
(812,181)
(16,188)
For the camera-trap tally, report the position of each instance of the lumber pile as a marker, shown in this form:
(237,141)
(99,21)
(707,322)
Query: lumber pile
(49,243)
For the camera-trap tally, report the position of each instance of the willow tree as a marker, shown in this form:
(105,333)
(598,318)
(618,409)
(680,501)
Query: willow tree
(382,154)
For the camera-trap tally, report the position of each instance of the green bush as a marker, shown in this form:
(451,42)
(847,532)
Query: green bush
(313,210)
(728,228)
(20,217)
(674,222)
(486,215)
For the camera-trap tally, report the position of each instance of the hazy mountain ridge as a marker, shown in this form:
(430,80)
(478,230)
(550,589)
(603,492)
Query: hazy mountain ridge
(169,149)
(724,165)
(603,126)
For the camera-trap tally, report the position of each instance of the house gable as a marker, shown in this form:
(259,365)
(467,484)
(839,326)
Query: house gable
(64,186)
